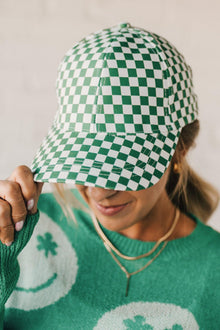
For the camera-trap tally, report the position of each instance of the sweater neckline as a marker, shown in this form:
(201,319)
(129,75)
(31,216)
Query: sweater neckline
(179,246)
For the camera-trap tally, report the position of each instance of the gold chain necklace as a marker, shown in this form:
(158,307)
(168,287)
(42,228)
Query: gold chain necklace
(110,247)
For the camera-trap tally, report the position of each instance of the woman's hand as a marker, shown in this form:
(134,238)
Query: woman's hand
(19,195)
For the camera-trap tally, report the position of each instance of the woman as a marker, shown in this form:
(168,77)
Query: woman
(138,256)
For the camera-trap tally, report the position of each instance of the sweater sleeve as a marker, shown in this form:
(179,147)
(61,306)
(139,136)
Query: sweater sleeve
(9,267)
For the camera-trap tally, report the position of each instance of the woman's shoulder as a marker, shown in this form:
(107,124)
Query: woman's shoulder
(206,229)
(212,261)
(210,235)
(212,238)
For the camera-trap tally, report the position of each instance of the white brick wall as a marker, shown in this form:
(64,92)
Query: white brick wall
(35,34)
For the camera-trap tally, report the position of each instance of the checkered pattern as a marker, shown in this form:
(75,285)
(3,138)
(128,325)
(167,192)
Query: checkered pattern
(124,95)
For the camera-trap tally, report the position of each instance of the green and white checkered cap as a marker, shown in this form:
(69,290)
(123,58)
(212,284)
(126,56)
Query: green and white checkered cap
(124,95)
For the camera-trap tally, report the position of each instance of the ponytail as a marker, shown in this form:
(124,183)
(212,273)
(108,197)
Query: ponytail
(186,189)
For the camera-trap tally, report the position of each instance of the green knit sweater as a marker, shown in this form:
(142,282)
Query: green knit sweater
(68,280)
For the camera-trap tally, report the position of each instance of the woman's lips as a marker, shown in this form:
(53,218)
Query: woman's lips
(110,210)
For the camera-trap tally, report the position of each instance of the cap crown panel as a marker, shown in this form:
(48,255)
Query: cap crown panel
(124,81)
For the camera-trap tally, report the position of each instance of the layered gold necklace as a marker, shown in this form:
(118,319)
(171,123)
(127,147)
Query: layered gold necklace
(110,248)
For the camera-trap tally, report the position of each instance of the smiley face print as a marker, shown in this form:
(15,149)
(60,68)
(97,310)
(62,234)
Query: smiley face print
(48,268)
(147,316)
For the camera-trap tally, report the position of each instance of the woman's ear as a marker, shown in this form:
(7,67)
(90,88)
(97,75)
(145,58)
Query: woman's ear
(181,150)
(178,157)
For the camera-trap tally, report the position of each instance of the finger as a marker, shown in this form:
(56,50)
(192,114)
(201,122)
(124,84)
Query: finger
(10,191)
(30,189)
(6,225)
(24,177)
(32,203)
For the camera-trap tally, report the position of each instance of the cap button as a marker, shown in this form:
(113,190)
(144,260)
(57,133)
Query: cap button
(124,25)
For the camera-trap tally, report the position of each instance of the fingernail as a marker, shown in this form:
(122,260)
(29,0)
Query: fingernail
(19,225)
(30,204)
(8,243)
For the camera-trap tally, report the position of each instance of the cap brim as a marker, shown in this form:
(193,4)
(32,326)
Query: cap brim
(119,162)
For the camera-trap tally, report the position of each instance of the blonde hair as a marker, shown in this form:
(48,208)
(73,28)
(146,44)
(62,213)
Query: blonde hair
(68,200)
(186,189)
